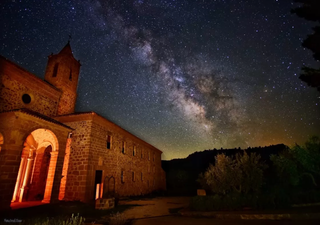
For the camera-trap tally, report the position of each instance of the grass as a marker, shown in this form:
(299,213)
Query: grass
(62,210)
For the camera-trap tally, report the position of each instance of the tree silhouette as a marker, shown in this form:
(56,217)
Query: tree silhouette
(244,174)
(310,10)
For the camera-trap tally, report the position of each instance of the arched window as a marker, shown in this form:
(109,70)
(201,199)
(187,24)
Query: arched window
(1,141)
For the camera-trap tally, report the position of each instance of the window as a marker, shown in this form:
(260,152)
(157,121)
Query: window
(133,178)
(122,176)
(70,75)
(1,143)
(109,139)
(154,156)
(55,70)
(149,155)
(123,147)
(134,150)
(26,98)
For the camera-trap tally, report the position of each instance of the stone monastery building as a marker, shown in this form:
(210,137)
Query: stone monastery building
(49,152)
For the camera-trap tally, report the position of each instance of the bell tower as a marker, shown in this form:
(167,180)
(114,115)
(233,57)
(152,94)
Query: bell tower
(63,72)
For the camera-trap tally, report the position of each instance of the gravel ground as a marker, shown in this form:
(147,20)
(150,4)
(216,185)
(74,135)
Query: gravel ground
(160,206)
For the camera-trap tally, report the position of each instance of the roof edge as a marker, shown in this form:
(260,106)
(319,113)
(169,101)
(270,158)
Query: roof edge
(38,115)
(96,114)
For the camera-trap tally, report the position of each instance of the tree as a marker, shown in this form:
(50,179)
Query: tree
(299,162)
(218,177)
(251,170)
(243,174)
(310,10)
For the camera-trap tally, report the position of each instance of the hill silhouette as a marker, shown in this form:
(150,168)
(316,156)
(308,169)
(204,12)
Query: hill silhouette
(182,174)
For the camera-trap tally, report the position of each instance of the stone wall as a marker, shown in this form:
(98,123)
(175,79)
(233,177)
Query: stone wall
(62,192)
(113,162)
(67,102)
(15,82)
(136,173)
(76,182)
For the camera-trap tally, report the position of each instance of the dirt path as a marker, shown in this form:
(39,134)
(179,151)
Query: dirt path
(160,206)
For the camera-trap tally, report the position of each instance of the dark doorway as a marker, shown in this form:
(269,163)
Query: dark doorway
(97,184)
(40,174)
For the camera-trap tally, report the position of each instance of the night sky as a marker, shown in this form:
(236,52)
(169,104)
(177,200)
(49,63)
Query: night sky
(183,75)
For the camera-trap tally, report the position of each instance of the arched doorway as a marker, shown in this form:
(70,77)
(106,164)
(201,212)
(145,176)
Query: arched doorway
(37,167)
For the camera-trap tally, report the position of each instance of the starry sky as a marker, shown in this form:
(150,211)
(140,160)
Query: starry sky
(183,75)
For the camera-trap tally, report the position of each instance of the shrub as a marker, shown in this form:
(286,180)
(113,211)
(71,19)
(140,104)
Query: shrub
(216,202)
(197,203)
(117,219)
(303,197)
(235,201)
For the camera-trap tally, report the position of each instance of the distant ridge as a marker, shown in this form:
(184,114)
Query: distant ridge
(190,167)
(209,155)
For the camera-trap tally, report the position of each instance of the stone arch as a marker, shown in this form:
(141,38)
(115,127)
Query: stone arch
(37,166)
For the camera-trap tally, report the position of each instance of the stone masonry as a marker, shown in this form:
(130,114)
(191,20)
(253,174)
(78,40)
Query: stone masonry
(139,165)
(49,152)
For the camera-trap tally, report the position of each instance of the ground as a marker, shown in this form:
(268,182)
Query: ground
(143,211)
(174,220)
(154,207)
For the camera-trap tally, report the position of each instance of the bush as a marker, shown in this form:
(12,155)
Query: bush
(216,202)
(304,197)
(237,182)
(299,163)
(197,203)
(117,219)
(235,201)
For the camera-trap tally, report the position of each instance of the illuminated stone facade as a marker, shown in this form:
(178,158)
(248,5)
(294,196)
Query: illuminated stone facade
(49,153)
(98,144)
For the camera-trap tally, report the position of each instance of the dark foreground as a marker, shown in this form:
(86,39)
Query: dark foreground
(154,210)
(174,220)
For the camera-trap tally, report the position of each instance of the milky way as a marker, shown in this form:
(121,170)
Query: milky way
(183,75)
